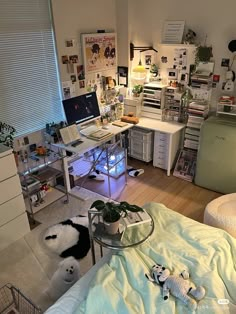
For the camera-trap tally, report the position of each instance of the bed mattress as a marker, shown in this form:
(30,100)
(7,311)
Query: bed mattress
(119,285)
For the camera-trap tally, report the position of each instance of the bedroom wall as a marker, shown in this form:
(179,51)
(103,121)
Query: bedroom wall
(141,23)
(216,20)
(71,19)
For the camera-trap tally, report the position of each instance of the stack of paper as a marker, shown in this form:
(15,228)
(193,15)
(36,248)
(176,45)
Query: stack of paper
(99,135)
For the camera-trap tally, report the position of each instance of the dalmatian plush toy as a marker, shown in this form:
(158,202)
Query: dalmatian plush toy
(179,287)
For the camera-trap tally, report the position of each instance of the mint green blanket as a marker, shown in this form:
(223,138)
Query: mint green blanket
(178,242)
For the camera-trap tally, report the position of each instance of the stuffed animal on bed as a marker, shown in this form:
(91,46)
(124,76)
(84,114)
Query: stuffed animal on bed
(69,238)
(179,287)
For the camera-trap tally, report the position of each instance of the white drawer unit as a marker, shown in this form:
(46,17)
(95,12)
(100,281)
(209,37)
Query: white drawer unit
(13,218)
(172,104)
(166,147)
(153,100)
(141,144)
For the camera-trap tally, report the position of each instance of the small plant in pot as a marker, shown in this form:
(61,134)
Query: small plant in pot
(112,212)
(137,90)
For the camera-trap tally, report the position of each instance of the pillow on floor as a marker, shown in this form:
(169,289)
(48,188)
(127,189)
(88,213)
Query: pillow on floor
(69,238)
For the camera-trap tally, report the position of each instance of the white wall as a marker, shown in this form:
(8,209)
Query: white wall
(214,19)
(141,22)
(74,17)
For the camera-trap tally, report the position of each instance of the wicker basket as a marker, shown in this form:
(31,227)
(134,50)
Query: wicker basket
(12,301)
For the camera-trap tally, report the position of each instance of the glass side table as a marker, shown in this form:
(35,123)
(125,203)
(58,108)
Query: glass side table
(125,238)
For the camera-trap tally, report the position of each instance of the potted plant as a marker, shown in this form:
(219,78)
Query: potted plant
(7,133)
(137,90)
(112,212)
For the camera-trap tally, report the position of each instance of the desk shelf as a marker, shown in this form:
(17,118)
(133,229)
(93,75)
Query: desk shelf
(36,174)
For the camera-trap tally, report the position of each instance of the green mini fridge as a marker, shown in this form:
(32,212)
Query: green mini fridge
(216,158)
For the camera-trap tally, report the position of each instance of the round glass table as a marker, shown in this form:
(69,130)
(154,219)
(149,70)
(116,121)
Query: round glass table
(128,235)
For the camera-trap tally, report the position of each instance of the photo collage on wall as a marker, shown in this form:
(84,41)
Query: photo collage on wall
(86,71)
(74,68)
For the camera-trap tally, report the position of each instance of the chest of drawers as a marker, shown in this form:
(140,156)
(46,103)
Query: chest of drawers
(13,218)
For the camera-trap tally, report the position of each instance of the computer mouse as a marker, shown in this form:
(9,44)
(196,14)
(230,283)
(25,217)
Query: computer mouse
(105,127)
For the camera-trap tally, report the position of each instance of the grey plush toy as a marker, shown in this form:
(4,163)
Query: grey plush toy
(179,287)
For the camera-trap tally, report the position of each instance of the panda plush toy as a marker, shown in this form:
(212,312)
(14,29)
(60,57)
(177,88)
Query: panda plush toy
(69,238)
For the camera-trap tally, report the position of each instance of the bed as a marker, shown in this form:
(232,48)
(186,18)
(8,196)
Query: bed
(117,283)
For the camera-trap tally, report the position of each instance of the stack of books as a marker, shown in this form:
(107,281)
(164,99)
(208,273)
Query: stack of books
(99,135)
(201,80)
(193,131)
(198,108)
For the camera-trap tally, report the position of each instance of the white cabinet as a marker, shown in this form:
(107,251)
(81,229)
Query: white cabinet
(13,218)
(166,147)
(141,144)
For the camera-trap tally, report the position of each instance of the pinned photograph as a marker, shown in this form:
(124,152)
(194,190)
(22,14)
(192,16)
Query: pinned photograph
(70,43)
(216,78)
(66,92)
(74,58)
(81,84)
(225,62)
(64,59)
(80,72)
(73,78)
(148,59)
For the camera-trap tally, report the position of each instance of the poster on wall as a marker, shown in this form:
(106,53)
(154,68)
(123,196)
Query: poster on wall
(99,51)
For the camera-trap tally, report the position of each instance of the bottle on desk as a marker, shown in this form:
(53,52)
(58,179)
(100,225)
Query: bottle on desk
(184,103)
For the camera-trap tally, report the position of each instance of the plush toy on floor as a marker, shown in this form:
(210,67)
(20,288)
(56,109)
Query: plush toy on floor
(64,277)
(179,287)
(69,238)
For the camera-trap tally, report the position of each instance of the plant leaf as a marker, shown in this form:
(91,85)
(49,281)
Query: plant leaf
(98,204)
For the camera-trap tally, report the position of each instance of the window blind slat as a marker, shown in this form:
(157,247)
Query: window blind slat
(29,85)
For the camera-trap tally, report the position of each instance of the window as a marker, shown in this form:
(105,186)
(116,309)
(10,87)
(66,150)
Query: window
(29,85)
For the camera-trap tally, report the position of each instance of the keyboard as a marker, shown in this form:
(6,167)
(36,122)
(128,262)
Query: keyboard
(88,130)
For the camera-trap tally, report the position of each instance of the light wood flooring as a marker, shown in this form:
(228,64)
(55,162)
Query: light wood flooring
(155,186)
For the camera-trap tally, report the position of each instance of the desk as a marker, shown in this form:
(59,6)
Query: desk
(167,141)
(172,130)
(86,146)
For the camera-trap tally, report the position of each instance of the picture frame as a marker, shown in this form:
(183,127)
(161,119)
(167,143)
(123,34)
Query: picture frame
(172,32)
(99,52)
(123,76)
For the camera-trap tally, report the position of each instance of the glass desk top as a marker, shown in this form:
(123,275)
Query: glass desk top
(125,237)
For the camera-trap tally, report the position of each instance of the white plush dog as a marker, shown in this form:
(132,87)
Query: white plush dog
(64,277)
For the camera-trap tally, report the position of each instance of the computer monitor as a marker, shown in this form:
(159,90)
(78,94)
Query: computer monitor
(81,109)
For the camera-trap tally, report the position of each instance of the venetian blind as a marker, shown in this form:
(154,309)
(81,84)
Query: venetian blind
(29,86)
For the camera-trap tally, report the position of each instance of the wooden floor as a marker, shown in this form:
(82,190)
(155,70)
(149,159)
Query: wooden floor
(155,186)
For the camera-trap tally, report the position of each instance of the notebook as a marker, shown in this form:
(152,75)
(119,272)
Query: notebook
(99,135)
(119,123)
(70,134)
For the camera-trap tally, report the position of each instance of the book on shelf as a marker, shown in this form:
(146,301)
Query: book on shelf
(191,137)
(200,105)
(70,134)
(191,144)
(197,112)
(192,131)
(194,125)
(99,135)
